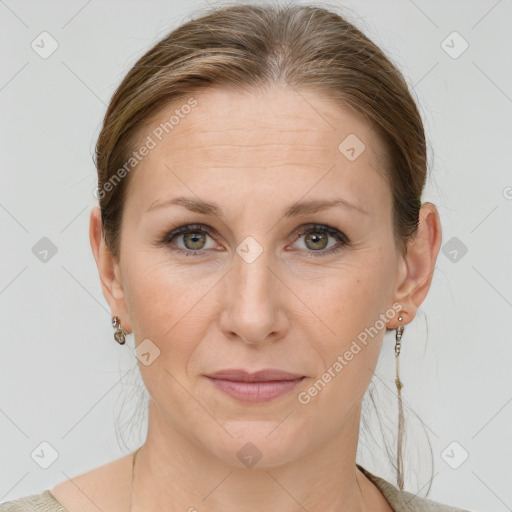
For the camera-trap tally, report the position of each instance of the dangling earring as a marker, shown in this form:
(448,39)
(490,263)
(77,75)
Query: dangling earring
(119,335)
(399,386)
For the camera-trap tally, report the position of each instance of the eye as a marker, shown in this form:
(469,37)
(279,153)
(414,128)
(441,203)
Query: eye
(193,236)
(317,239)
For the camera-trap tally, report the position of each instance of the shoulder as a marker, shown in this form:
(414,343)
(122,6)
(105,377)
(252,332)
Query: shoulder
(43,502)
(403,501)
(101,488)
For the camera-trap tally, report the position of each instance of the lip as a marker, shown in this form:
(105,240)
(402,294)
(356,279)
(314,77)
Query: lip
(268,374)
(255,387)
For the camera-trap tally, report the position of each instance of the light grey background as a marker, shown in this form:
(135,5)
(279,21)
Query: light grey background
(65,381)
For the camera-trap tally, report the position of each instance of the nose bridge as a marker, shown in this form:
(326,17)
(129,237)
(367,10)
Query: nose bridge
(251,274)
(252,311)
(253,254)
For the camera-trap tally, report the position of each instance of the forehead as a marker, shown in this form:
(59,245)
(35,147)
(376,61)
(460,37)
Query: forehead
(274,140)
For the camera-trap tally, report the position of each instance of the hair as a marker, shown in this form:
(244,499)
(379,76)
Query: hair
(246,47)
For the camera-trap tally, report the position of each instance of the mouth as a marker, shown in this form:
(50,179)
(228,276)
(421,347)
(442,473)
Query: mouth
(261,386)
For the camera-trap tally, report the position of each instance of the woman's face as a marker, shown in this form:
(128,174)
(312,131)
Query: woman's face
(259,283)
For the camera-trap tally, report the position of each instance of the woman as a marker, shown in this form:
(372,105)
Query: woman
(259,228)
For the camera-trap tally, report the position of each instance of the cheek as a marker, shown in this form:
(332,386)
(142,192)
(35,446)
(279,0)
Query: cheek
(167,304)
(348,357)
(355,298)
(353,306)
(151,296)
(153,289)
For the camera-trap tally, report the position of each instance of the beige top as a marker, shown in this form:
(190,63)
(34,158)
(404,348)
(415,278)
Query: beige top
(400,501)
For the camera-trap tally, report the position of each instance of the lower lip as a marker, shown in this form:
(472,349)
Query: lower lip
(255,392)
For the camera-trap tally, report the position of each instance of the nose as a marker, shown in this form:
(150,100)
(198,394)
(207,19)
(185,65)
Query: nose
(254,298)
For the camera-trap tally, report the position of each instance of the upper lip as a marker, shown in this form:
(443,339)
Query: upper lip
(240,375)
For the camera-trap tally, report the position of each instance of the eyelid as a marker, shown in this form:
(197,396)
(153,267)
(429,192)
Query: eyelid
(304,228)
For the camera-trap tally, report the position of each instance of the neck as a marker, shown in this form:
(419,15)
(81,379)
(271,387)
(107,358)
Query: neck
(172,472)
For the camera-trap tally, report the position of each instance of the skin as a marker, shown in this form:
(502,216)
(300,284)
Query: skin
(254,154)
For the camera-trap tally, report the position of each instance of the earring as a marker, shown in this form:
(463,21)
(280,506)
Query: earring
(398,346)
(399,386)
(119,335)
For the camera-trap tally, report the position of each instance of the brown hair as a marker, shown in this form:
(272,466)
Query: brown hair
(244,47)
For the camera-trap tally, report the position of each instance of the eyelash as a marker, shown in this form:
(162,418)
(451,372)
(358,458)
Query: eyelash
(201,228)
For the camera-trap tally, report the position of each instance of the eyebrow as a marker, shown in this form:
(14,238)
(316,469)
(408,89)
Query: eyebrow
(296,209)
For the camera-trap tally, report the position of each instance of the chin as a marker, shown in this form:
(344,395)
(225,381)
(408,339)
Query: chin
(256,444)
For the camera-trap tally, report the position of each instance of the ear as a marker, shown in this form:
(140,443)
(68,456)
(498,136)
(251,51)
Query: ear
(417,267)
(109,271)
